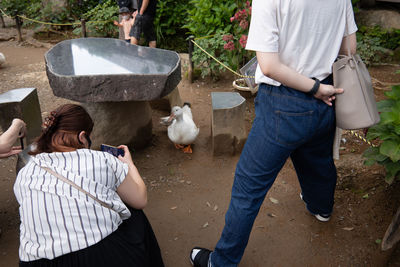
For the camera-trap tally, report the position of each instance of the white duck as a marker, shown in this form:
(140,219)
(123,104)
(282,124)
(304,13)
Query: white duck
(182,131)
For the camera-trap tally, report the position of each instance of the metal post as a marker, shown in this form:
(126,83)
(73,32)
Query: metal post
(18,22)
(191,65)
(83,25)
(2,21)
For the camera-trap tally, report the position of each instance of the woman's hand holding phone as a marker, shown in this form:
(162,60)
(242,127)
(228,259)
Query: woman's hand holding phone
(127,158)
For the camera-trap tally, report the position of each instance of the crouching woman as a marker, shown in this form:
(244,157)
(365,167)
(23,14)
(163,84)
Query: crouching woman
(81,207)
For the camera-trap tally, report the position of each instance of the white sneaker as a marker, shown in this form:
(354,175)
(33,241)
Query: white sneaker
(320,217)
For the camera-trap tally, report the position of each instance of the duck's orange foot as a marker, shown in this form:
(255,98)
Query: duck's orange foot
(177,146)
(188,150)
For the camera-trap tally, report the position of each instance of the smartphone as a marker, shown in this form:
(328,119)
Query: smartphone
(115,151)
(21,139)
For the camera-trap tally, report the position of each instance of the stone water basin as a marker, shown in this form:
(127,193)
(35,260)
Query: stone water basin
(104,69)
(114,81)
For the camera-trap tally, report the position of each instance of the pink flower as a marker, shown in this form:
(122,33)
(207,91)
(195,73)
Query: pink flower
(229,46)
(227,37)
(244,24)
(243,40)
(232,19)
(249,10)
(248,3)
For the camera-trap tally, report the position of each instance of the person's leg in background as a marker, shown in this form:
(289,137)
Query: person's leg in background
(149,32)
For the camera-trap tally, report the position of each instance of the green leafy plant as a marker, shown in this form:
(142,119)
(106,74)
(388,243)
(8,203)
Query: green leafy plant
(215,46)
(227,45)
(236,41)
(170,17)
(14,7)
(104,14)
(375,44)
(206,17)
(388,132)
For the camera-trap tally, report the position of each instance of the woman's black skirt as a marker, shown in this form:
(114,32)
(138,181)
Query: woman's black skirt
(132,244)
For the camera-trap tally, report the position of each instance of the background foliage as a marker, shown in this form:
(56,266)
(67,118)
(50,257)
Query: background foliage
(388,131)
(106,13)
(14,7)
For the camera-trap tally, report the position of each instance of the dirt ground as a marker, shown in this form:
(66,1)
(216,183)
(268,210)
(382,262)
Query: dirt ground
(189,194)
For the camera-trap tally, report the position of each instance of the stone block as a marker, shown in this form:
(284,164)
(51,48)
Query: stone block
(24,104)
(228,127)
(120,123)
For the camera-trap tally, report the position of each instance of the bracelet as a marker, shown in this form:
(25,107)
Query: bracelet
(315,88)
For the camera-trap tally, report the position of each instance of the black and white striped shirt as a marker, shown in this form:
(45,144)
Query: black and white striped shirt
(56,218)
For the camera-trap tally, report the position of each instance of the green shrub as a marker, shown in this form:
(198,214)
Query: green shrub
(14,7)
(215,46)
(105,14)
(227,45)
(388,131)
(376,43)
(206,17)
(170,17)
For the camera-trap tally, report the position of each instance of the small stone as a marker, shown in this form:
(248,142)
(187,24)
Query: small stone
(348,228)
(168,191)
(174,208)
(189,182)
(205,225)
(271,215)
(208,204)
(215,208)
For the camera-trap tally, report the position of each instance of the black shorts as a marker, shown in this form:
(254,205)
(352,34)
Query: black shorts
(143,24)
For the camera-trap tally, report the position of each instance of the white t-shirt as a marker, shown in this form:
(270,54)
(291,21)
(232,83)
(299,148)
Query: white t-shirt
(56,218)
(307,34)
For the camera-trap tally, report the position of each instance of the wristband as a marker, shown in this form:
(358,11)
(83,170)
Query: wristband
(315,88)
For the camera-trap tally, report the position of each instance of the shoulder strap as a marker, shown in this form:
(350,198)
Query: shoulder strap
(65,180)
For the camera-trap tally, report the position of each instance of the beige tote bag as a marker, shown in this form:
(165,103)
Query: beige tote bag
(356,107)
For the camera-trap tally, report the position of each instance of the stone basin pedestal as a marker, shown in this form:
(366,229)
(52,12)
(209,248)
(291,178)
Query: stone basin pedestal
(114,81)
(117,123)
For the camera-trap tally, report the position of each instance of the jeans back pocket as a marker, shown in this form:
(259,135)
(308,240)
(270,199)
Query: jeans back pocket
(293,128)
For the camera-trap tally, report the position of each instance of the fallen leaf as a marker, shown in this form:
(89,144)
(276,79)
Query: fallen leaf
(378,241)
(273,200)
(348,228)
(169,191)
(366,196)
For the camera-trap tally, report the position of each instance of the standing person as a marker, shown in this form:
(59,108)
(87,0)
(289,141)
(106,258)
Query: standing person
(61,224)
(126,22)
(296,44)
(144,22)
(9,137)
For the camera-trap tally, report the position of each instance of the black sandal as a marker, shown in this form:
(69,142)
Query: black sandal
(201,258)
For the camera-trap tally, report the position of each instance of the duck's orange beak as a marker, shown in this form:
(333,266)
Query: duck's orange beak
(171,117)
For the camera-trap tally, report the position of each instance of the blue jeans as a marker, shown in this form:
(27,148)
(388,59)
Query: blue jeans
(288,123)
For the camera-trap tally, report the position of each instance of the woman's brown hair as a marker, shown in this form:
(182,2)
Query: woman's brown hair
(60,130)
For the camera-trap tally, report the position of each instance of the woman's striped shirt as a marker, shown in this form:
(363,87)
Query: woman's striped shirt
(57,218)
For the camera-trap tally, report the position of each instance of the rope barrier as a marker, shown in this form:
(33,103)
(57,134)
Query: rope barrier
(54,24)
(204,37)
(362,138)
(219,62)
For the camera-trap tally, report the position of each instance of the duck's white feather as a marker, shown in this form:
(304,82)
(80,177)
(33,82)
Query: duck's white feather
(183,130)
